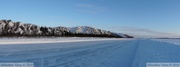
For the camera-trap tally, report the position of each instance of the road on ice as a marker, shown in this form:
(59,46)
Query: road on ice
(101,53)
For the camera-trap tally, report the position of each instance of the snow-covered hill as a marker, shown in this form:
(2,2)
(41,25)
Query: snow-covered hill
(9,28)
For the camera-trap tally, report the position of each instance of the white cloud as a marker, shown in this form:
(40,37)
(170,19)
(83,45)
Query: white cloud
(88,11)
(142,32)
(90,8)
(85,5)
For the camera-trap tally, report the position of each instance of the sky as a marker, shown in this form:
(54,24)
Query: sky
(139,18)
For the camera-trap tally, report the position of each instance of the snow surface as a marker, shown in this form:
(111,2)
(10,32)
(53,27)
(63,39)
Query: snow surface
(93,53)
(174,41)
(21,40)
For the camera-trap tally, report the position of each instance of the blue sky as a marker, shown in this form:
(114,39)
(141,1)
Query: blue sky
(140,18)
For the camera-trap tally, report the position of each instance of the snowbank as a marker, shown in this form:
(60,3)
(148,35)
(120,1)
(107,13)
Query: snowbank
(51,40)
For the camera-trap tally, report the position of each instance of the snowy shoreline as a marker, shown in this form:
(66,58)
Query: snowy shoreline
(24,40)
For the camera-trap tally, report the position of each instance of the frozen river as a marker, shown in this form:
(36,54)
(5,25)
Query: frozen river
(87,52)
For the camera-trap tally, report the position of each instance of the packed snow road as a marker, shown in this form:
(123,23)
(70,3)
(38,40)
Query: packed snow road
(101,53)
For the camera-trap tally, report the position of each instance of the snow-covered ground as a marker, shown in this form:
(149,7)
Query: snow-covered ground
(22,40)
(174,41)
(88,52)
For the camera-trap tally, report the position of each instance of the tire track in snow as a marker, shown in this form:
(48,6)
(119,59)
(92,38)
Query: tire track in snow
(90,53)
(136,53)
(39,59)
(156,52)
(81,55)
(109,54)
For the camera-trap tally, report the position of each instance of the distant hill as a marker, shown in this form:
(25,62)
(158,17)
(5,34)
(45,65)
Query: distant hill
(9,28)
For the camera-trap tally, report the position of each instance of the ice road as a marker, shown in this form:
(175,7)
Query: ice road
(89,53)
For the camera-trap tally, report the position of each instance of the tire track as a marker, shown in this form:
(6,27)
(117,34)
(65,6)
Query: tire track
(55,55)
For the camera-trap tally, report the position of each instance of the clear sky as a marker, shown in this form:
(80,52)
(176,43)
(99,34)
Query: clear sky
(140,18)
